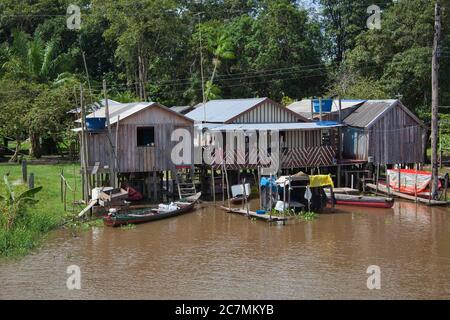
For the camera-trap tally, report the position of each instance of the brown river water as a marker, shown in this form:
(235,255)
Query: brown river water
(210,254)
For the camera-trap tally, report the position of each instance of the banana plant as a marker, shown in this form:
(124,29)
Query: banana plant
(13,206)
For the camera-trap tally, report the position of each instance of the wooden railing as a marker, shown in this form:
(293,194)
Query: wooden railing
(289,158)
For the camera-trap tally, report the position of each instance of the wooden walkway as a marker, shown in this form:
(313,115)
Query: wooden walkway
(384,189)
(252,214)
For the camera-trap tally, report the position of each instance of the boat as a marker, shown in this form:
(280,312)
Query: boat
(114,219)
(362,201)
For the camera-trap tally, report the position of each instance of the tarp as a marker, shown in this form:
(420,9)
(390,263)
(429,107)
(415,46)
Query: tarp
(321,181)
(408,180)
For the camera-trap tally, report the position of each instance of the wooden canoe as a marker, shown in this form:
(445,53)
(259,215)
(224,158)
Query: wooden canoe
(149,215)
(362,201)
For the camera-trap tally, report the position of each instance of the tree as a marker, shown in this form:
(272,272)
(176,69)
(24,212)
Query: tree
(33,60)
(399,54)
(343,21)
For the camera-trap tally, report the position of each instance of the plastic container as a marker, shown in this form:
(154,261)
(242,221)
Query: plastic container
(261,212)
(327,105)
(95,124)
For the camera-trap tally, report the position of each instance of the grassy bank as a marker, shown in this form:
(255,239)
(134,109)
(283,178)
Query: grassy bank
(47,214)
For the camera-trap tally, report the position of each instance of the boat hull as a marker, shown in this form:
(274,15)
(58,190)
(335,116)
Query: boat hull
(360,201)
(149,215)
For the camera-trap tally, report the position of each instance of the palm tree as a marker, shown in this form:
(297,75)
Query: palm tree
(223,51)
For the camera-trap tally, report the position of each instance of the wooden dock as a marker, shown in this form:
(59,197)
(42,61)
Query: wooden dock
(383,189)
(251,214)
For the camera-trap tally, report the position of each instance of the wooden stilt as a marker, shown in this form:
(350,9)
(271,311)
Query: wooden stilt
(213,185)
(259,188)
(155,187)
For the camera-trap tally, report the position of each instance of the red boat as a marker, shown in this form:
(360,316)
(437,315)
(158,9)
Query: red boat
(362,201)
(411,182)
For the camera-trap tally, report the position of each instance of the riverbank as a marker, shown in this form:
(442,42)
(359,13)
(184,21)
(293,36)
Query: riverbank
(47,215)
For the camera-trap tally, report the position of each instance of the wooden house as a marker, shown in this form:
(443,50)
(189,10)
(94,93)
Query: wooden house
(384,132)
(302,143)
(141,135)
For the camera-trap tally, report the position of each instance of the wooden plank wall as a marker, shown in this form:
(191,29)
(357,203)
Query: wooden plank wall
(303,139)
(355,144)
(396,138)
(267,113)
(140,159)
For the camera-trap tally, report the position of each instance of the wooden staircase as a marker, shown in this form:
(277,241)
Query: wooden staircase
(185,180)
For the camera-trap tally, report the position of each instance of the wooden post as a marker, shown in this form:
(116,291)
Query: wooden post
(31,181)
(244,199)
(340,110)
(415,187)
(388,182)
(270,196)
(228,186)
(378,178)
(116,148)
(435,100)
(213,186)
(312,109)
(223,186)
(155,187)
(259,188)
(112,179)
(364,184)
(85,160)
(289,192)
(24,171)
(61,185)
(399,179)
(320,107)
(65,196)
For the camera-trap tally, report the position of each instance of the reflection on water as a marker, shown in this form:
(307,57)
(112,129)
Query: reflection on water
(210,254)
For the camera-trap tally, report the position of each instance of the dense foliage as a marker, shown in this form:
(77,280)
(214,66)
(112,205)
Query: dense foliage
(152,49)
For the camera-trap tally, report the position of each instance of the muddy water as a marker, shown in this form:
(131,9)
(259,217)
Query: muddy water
(210,254)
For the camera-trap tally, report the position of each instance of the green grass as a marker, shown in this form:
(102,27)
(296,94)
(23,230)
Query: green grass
(48,214)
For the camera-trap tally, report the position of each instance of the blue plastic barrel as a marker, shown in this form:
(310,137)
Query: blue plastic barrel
(327,105)
(95,124)
(261,212)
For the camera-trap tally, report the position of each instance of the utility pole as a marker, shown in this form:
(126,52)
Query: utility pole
(112,178)
(435,100)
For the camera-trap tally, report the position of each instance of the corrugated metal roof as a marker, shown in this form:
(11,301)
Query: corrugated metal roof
(94,107)
(221,111)
(124,110)
(368,113)
(182,109)
(303,107)
(277,126)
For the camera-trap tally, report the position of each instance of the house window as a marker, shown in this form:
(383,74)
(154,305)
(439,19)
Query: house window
(146,137)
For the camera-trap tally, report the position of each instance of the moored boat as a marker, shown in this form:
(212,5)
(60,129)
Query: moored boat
(152,214)
(362,201)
